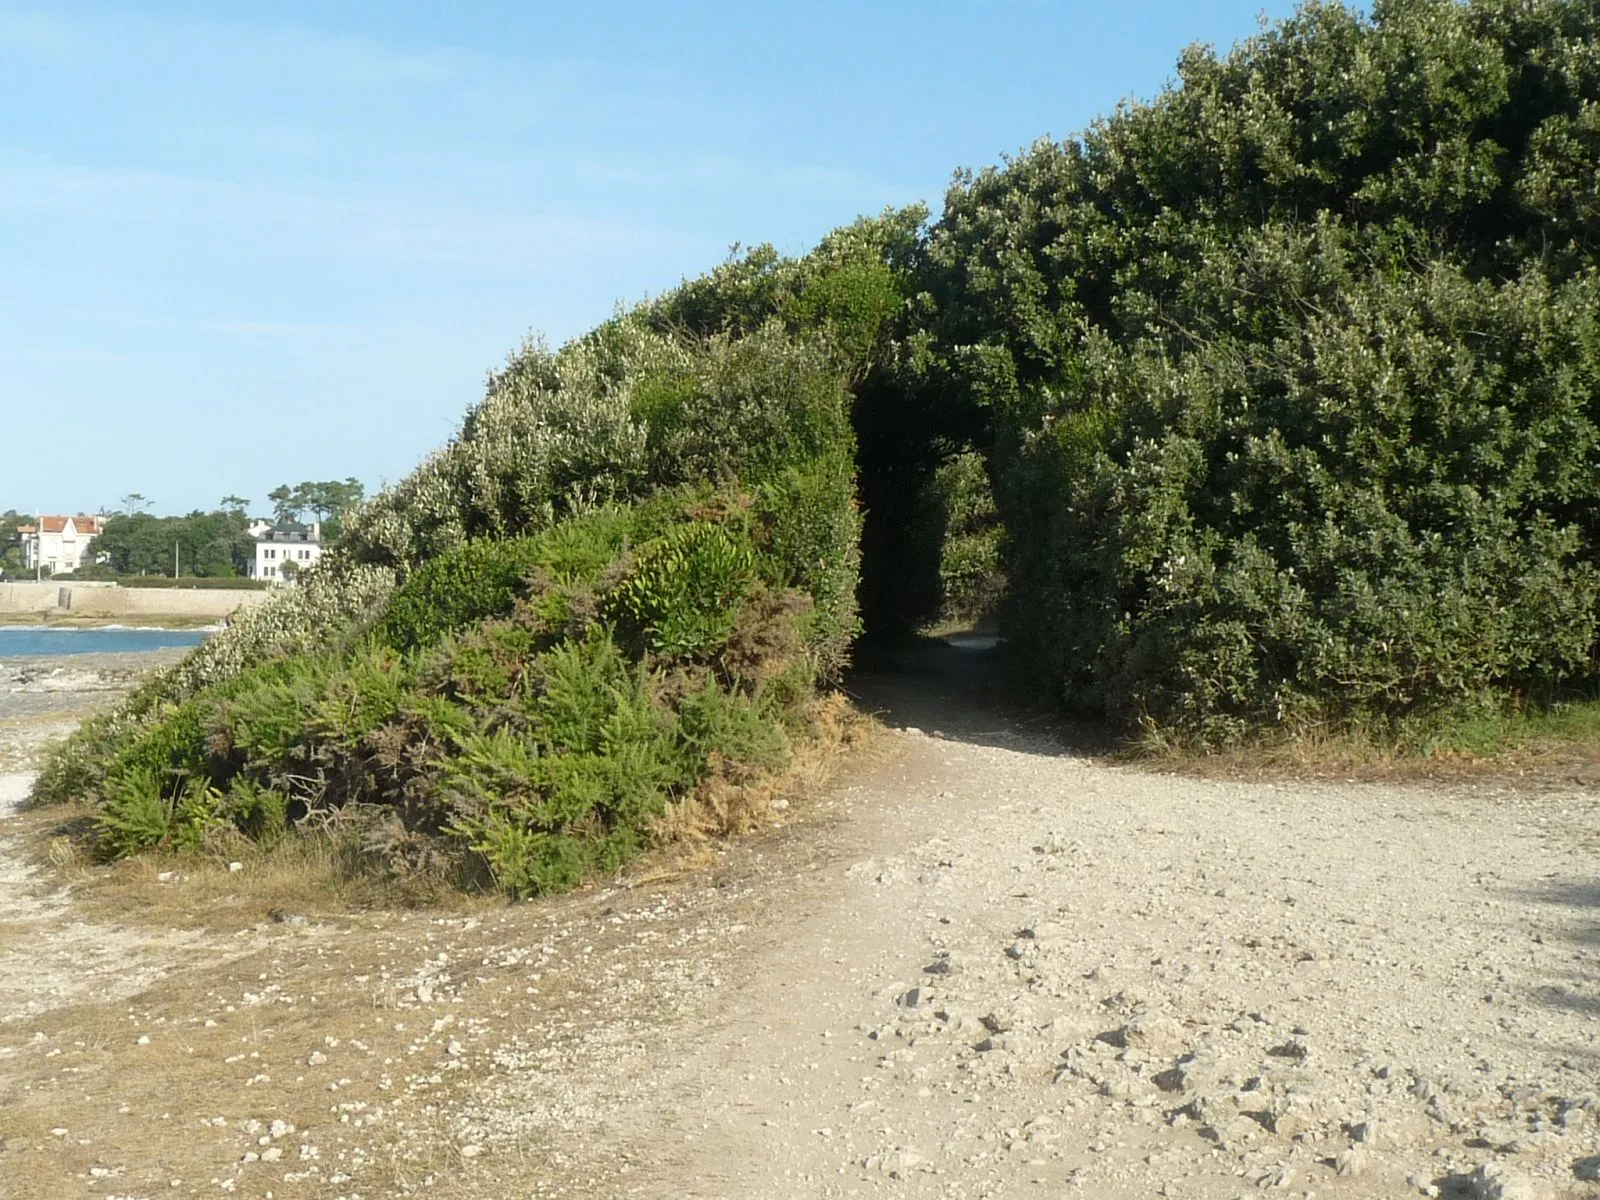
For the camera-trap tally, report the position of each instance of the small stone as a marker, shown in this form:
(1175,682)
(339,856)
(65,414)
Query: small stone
(454,1049)
(280,1129)
(900,1161)
(142,1040)
(316,1058)
(1153,1034)
(1350,1163)
(235,866)
(914,998)
(272,1154)
(1281,1176)
(471,1150)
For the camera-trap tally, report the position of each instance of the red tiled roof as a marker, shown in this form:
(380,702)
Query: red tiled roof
(82,524)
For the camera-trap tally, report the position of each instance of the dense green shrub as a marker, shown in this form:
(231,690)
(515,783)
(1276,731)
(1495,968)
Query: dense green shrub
(683,591)
(1294,371)
(971,541)
(135,813)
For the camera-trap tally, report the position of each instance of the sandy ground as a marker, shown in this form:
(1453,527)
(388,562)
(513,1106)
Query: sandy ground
(49,956)
(984,964)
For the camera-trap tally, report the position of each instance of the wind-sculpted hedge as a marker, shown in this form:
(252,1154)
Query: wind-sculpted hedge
(1272,403)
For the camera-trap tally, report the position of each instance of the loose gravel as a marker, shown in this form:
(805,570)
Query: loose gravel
(982,965)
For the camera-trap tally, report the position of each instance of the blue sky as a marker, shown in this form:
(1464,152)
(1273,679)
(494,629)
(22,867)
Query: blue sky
(248,245)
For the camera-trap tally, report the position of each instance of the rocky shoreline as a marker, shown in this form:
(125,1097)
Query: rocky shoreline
(43,699)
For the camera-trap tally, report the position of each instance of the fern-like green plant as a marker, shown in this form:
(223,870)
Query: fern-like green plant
(685,588)
(136,814)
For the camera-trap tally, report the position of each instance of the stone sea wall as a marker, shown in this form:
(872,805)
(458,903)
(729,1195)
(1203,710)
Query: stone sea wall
(109,600)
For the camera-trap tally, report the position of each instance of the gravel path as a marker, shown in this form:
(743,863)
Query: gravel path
(983,965)
(1009,970)
(48,957)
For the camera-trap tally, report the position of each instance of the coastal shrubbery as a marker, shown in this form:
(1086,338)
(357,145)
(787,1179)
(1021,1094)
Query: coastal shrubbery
(1271,404)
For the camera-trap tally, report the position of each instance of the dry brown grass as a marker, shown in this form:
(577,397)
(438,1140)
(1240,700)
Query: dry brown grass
(733,802)
(310,874)
(1533,759)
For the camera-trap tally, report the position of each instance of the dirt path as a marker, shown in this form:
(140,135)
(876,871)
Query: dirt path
(51,958)
(981,966)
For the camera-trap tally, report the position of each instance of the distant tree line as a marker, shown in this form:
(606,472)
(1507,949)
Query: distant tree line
(328,501)
(11,522)
(206,544)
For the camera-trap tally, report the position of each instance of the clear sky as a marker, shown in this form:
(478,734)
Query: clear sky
(244,245)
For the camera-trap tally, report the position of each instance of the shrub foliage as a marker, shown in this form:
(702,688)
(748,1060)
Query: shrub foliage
(622,579)
(1293,373)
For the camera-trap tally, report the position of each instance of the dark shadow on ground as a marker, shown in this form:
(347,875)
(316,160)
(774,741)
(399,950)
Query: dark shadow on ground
(1581,992)
(955,687)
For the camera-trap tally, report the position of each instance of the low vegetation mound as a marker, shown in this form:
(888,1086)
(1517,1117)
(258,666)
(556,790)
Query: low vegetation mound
(1266,405)
(619,585)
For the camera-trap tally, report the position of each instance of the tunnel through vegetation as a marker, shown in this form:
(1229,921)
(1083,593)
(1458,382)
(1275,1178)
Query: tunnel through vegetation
(1273,403)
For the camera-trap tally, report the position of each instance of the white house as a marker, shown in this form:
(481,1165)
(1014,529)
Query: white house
(283,551)
(59,544)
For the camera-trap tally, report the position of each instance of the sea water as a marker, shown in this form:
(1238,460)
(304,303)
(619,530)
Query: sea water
(17,641)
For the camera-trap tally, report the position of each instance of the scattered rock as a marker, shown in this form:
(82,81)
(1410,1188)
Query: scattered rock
(1496,1181)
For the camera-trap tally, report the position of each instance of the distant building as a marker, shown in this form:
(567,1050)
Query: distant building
(58,544)
(283,551)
